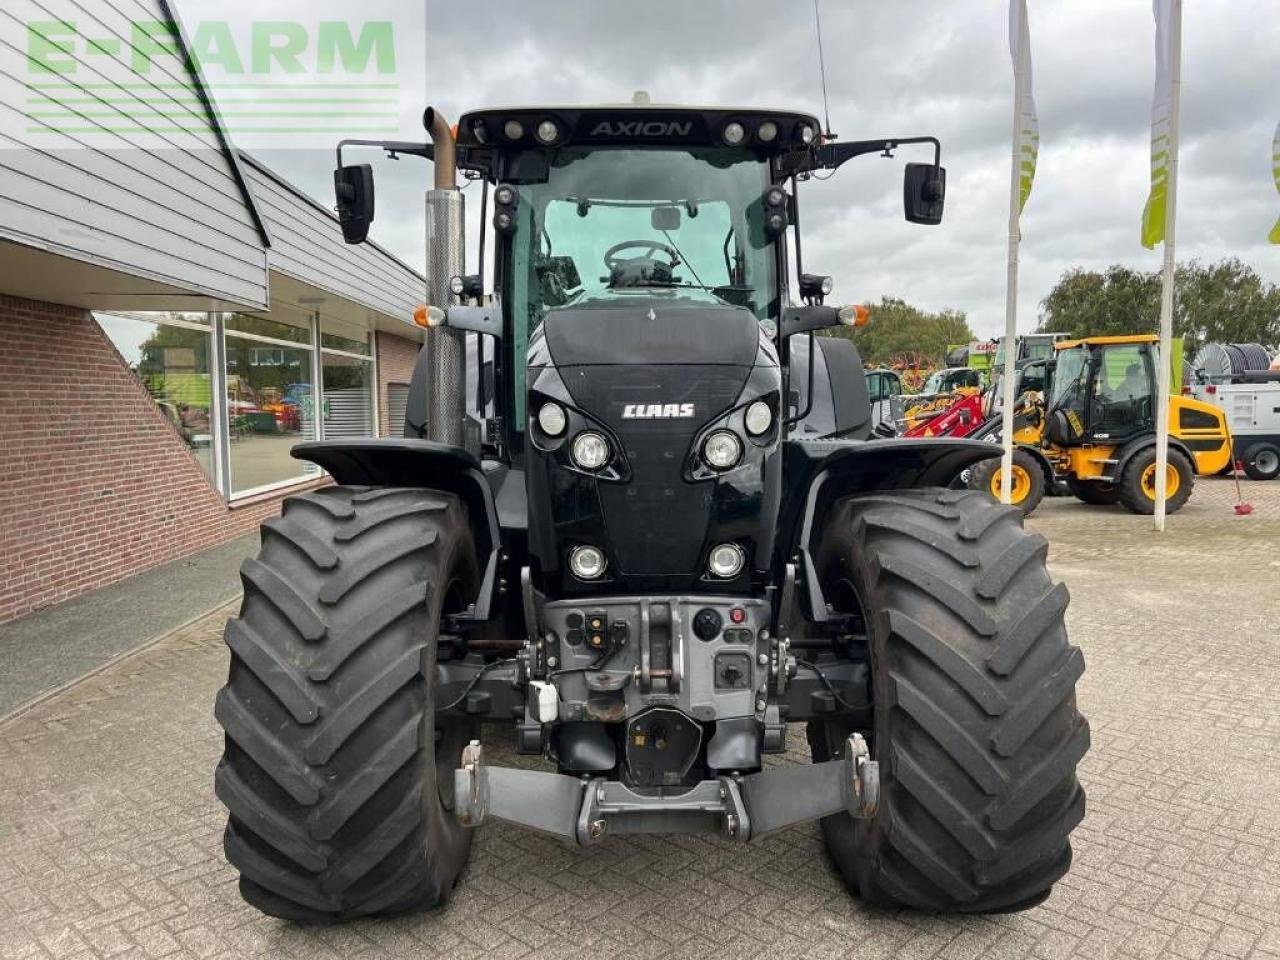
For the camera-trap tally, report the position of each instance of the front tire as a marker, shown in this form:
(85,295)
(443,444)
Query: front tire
(334,771)
(973,682)
(1137,485)
(1027,488)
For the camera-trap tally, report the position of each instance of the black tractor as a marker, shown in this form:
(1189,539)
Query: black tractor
(638,517)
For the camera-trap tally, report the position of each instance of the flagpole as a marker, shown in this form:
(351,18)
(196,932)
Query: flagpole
(1167,279)
(1011,287)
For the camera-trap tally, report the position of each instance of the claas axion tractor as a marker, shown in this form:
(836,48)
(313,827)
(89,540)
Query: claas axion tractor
(637,516)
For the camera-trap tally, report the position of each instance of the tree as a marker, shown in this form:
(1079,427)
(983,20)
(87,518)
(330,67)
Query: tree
(1222,302)
(897,328)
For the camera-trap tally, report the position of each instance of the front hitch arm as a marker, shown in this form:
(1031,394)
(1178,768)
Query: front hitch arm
(738,807)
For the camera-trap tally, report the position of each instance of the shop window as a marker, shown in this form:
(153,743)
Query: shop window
(270,407)
(348,396)
(171,355)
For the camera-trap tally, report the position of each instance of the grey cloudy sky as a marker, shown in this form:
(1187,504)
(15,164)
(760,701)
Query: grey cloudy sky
(895,68)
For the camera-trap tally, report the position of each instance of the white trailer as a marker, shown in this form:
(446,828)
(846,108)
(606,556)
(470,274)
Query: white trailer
(1253,414)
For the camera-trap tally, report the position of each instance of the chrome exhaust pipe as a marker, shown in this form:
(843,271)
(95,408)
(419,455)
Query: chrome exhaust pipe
(446,258)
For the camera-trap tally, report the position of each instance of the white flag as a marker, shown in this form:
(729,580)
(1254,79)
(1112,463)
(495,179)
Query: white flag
(1028,124)
(1153,217)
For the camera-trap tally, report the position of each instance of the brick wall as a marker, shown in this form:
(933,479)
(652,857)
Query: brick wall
(95,483)
(396,356)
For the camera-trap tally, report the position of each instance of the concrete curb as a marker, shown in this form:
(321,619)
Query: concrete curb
(29,705)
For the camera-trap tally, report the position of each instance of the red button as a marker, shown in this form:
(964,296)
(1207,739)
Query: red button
(737,615)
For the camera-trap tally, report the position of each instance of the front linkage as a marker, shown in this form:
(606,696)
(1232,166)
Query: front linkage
(585,809)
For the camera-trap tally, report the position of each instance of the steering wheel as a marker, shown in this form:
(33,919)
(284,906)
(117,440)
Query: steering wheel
(611,258)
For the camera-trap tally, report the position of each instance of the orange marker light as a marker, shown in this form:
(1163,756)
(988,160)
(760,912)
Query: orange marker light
(428,316)
(855,315)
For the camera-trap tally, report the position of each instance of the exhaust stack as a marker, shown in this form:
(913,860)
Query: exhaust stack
(446,255)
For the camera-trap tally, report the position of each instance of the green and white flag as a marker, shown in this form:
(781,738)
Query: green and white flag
(1153,217)
(1028,125)
(1275,172)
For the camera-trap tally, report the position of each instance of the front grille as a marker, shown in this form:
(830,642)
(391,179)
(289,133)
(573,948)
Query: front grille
(656,522)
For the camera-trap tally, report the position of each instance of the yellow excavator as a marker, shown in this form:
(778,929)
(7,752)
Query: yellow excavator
(1094,429)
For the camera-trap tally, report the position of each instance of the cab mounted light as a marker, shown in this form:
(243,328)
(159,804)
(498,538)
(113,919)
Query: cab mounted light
(767,132)
(733,133)
(468,286)
(513,130)
(814,288)
(775,211)
(505,201)
(805,133)
(547,132)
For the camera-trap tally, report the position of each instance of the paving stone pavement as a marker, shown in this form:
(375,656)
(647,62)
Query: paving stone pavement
(110,836)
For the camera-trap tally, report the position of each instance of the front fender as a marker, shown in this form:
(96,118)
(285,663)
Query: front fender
(816,473)
(418,463)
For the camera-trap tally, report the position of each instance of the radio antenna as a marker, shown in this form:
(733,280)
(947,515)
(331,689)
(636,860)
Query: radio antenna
(822,66)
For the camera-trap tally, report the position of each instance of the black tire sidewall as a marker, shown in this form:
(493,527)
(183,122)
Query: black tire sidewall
(448,841)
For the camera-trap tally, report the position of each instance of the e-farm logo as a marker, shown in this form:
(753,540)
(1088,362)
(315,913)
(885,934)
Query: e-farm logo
(268,77)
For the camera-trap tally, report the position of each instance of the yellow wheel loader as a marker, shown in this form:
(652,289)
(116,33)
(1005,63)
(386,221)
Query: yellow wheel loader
(1096,431)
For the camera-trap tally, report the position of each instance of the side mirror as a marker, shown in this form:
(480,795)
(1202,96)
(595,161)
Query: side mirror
(924,190)
(353,187)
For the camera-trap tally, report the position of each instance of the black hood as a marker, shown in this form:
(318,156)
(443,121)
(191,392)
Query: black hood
(652,331)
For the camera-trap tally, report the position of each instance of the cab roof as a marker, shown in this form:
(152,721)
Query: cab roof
(1106,341)
(641,124)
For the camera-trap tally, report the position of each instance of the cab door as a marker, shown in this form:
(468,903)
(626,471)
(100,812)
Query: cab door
(1122,391)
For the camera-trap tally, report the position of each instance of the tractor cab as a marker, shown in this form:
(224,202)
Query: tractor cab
(1103,390)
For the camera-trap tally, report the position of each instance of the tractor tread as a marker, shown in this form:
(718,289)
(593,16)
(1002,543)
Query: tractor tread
(976,723)
(969,676)
(303,617)
(259,816)
(1010,563)
(360,705)
(275,674)
(1015,643)
(329,770)
(316,550)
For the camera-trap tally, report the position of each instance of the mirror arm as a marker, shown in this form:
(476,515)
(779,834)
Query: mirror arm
(831,156)
(393,147)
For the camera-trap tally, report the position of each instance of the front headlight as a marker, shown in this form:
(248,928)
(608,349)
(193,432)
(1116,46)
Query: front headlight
(552,419)
(590,450)
(759,418)
(722,449)
(726,560)
(587,563)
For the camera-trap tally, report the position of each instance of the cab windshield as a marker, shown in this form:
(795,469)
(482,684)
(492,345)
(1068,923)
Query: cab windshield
(613,224)
(1069,377)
